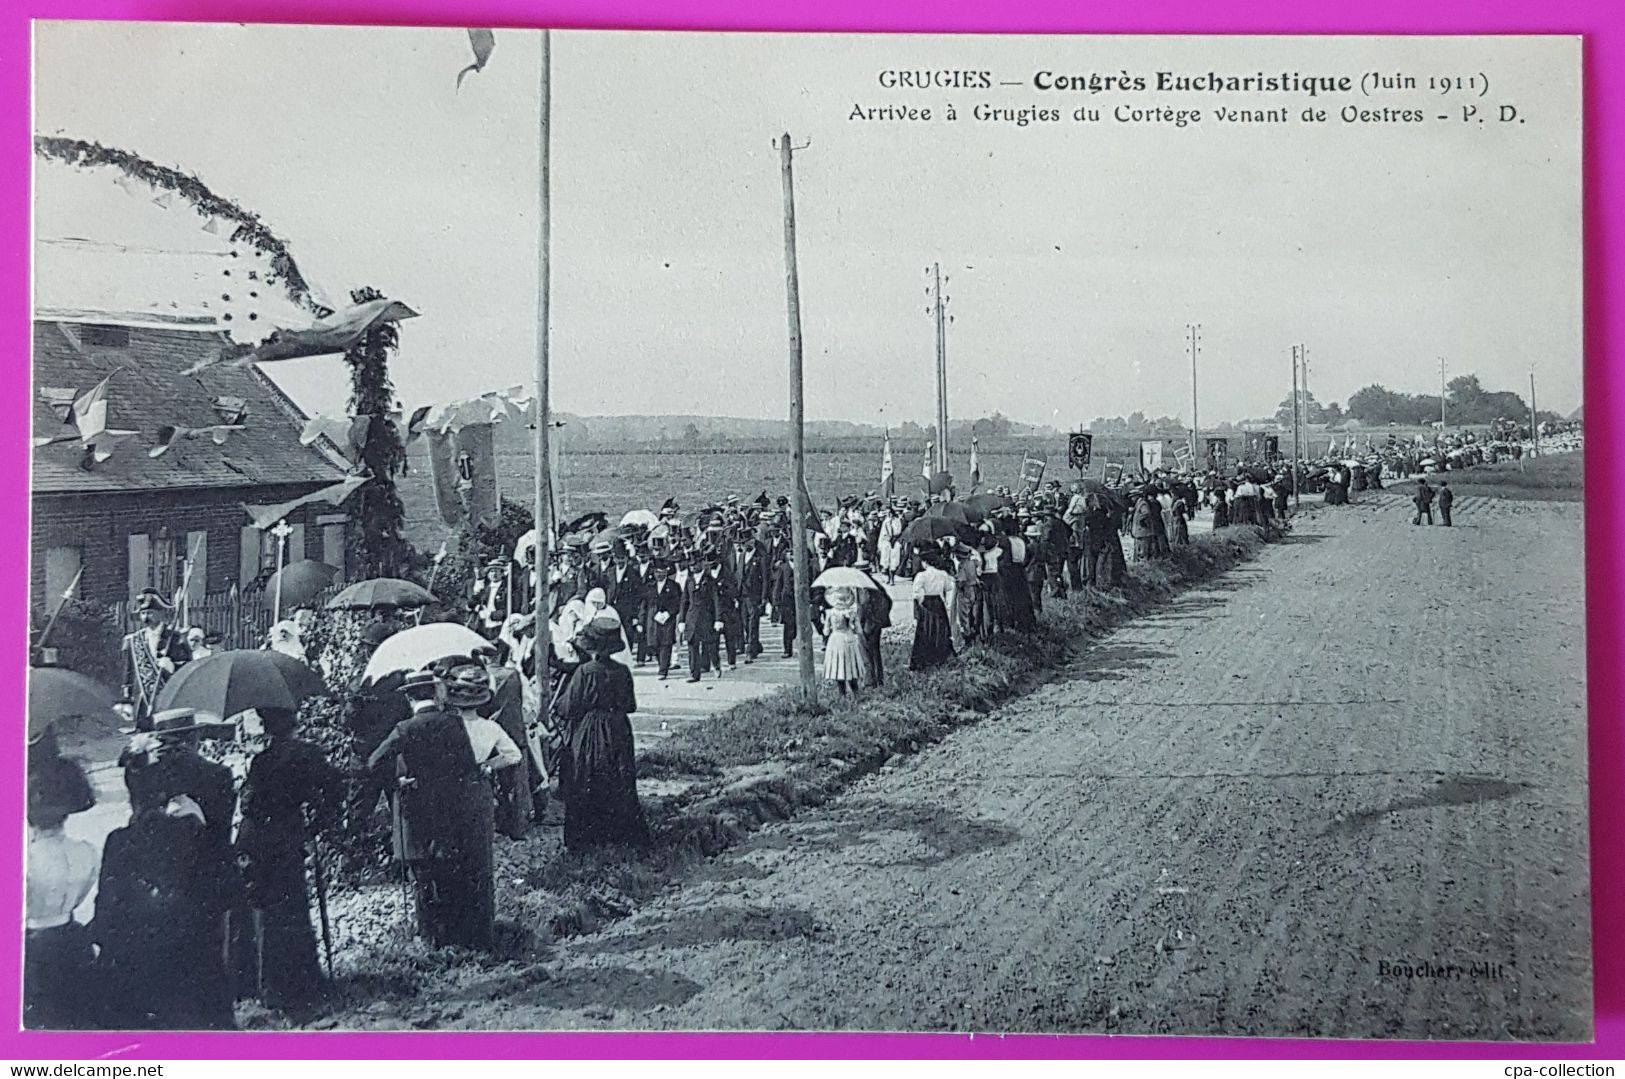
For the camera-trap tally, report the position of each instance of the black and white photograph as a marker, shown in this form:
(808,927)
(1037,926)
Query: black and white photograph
(657,530)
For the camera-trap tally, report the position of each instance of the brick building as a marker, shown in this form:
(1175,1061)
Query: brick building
(131,522)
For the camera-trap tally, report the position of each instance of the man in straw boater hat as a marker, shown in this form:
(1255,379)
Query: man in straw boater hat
(151,654)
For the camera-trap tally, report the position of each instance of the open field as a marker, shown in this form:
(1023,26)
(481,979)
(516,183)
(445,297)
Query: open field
(1552,478)
(641,477)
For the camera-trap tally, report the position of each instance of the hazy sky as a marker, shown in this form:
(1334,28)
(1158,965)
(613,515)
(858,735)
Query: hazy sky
(1076,252)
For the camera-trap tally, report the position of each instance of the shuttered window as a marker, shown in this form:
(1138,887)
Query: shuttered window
(140,563)
(248,556)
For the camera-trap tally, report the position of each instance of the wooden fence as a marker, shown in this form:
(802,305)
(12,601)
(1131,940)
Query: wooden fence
(239,619)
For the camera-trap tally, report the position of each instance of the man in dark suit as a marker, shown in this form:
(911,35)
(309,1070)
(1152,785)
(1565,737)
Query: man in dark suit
(751,573)
(624,587)
(662,603)
(1423,498)
(514,807)
(151,654)
(1446,498)
(874,616)
(430,762)
(701,616)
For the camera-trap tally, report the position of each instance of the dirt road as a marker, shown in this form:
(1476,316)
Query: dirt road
(1274,807)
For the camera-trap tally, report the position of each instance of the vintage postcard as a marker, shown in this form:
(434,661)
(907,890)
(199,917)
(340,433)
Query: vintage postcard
(615,530)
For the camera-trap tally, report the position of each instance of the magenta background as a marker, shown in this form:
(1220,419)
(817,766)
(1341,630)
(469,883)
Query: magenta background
(1603,24)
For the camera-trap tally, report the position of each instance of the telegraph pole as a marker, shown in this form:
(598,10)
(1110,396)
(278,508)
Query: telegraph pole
(543,493)
(942,369)
(1297,431)
(798,464)
(1193,331)
(1534,422)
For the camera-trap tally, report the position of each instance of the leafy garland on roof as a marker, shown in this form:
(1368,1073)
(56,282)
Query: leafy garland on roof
(248,227)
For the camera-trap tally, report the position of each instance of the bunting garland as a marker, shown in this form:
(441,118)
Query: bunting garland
(167,182)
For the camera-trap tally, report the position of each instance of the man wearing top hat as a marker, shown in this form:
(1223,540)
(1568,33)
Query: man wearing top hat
(662,603)
(623,588)
(151,654)
(701,616)
(751,575)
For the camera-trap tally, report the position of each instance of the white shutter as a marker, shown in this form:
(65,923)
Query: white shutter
(248,556)
(197,550)
(140,563)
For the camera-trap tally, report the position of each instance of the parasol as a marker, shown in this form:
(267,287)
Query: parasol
(646,518)
(987,503)
(228,683)
(418,647)
(923,530)
(56,693)
(300,583)
(955,511)
(844,577)
(381,592)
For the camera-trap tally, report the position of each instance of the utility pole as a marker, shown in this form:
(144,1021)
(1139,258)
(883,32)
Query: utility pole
(543,492)
(798,469)
(1534,422)
(942,368)
(1193,333)
(1297,430)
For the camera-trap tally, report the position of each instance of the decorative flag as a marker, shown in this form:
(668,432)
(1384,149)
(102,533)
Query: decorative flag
(212,226)
(975,466)
(90,410)
(414,426)
(888,481)
(230,409)
(1151,455)
(169,434)
(264,516)
(59,399)
(333,334)
(484,42)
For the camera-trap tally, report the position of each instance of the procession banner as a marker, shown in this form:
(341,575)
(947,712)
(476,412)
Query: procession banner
(888,480)
(1183,456)
(1218,452)
(1032,471)
(443,468)
(477,474)
(1079,448)
(1113,474)
(1151,455)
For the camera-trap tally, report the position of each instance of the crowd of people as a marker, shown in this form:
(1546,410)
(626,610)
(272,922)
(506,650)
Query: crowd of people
(203,897)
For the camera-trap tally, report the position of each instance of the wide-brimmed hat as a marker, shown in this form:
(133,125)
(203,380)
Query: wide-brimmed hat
(602,634)
(151,599)
(420,685)
(468,686)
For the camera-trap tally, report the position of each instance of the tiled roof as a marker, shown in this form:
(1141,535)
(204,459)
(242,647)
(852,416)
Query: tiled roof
(148,390)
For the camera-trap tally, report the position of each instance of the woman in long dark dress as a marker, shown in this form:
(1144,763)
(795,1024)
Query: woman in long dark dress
(166,884)
(934,590)
(1018,598)
(290,795)
(598,776)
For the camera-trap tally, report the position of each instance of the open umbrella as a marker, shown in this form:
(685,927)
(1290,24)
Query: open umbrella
(56,693)
(844,577)
(418,647)
(955,511)
(301,582)
(987,503)
(381,592)
(923,530)
(228,683)
(646,518)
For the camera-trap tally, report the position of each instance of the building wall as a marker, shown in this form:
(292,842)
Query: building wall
(100,526)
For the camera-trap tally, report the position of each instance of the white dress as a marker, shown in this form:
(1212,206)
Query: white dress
(844,660)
